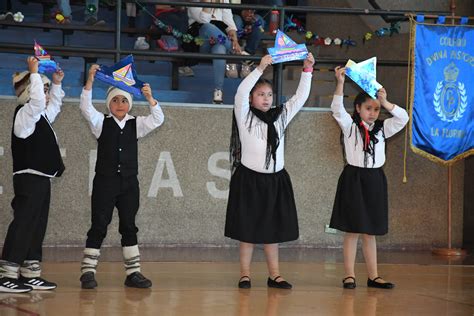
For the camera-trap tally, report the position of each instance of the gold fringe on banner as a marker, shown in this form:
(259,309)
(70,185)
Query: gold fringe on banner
(411,80)
(407,100)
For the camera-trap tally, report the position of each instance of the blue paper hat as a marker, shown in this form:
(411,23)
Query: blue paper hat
(46,63)
(364,74)
(121,75)
(286,49)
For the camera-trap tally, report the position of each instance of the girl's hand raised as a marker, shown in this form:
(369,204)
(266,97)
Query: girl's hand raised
(309,62)
(340,74)
(265,62)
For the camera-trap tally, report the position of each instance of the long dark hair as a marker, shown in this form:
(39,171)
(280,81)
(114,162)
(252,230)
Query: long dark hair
(369,139)
(269,117)
(261,82)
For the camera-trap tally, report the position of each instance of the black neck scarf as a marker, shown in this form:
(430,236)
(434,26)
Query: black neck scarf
(369,138)
(273,138)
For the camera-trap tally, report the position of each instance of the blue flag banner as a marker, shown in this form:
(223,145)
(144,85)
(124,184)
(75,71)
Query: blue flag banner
(121,75)
(442,91)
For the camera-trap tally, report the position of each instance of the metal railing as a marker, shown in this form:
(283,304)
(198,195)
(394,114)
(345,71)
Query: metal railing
(117,52)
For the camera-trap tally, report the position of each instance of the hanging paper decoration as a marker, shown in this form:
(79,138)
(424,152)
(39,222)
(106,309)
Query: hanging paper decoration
(389,31)
(348,42)
(46,64)
(367,37)
(312,38)
(121,75)
(318,41)
(18,17)
(188,38)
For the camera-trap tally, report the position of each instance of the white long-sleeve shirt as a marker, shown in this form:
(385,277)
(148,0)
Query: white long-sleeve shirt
(145,124)
(353,145)
(31,112)
(254,143)
(196,14)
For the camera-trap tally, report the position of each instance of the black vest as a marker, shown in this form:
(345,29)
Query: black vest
(117,151)
(39,151)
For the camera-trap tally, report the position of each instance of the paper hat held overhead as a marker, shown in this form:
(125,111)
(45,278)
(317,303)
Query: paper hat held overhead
(286,49)
(364,74)
(46,63)
(121,75)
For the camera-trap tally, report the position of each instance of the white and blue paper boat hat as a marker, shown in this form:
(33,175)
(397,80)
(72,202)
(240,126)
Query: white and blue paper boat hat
(46,64)
(121,75)
(286,49)
(364,74)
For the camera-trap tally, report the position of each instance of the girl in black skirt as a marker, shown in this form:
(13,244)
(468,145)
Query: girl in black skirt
(361,203)
(261,207)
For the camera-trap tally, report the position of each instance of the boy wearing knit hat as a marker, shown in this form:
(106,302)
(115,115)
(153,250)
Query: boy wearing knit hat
(36,159)
(115,182)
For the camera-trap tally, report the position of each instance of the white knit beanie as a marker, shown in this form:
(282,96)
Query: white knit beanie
(22,83)
(113,91)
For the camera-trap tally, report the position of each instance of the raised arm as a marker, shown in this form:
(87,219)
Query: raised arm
(296,102)
(337,106)
(56,95)
(400,117)
(93,117)
(145,124)
(241,101)
(27,117)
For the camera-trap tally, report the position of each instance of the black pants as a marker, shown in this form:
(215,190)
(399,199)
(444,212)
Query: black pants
(109,192)
(30,218)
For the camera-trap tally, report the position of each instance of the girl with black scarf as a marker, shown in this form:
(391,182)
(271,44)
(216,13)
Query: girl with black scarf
(361,203)
(261,207)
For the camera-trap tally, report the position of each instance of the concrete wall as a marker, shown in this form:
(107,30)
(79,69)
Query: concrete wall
(191,148)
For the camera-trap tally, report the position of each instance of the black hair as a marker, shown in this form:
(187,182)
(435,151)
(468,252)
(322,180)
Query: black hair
(359,99)
(370,141)
(261,82)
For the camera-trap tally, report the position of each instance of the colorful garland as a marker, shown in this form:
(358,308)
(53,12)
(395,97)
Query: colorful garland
(292,23)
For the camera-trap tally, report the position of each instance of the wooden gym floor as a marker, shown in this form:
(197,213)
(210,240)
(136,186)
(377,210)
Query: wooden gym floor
(425,285)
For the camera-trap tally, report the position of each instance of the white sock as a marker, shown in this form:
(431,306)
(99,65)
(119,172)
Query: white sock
(90,260)
(30,269)
(131,259)
(9,269)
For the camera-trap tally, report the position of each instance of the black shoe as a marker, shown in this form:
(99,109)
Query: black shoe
(38,283)
(279,285)
(91,21)
(349,285)
(88,280)
(10,285)
(245,284)
(379,285)
(136,279)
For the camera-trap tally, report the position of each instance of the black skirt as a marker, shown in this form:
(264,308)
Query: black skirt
(261,207)
(361,203)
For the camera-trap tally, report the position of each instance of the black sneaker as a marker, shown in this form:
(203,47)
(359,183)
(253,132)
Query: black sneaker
(38,283)
(88,280)
(9,285)
(136,279)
